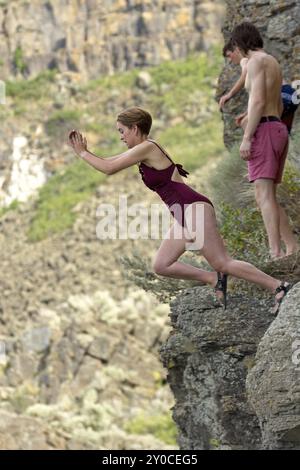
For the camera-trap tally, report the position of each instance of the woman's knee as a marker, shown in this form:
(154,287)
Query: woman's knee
(159,267)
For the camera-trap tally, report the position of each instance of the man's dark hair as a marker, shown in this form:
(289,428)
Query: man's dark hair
(228,47)
(246,37)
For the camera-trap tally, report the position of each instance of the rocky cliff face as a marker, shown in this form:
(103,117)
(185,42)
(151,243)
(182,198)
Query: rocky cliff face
(94,37)
(211,355)
(279,24)
(273,384)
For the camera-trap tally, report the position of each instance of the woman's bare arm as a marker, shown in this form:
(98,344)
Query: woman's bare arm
(109,165)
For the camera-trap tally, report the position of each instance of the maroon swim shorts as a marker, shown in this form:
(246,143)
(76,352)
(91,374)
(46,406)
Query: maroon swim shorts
(269,147)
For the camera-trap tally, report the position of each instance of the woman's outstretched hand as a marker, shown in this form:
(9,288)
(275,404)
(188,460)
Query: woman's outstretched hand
(77,142)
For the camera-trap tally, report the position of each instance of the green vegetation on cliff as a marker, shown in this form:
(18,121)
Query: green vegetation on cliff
(58,197)
(160,426)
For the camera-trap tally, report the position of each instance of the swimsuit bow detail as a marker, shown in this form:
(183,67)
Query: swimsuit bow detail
(181,170)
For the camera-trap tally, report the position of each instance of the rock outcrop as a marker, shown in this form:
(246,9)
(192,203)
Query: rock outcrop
(279,24)
(210,355)
(273,384)
(98,38)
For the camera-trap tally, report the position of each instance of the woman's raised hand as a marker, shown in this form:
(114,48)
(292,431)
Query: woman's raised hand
(77,142)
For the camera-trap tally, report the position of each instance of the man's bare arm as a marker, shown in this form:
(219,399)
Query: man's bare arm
(237,86)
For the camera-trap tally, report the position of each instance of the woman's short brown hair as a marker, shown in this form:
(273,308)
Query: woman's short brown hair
(136,116)
(247,37)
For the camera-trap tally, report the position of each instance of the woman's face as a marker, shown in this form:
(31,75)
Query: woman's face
(127,134)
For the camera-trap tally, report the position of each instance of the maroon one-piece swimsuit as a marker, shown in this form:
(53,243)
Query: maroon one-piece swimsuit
(177,196)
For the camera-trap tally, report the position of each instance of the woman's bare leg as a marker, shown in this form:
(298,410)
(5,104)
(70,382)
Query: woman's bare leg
(215,253)
(166,264)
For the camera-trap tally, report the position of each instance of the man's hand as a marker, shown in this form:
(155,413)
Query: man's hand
(223,100)
(245,149)
(77,142)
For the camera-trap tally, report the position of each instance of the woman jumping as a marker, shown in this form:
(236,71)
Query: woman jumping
(165,178)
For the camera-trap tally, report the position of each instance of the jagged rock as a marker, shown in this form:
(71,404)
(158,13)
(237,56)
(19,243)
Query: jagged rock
(208,355)
(235,373)
(273,384)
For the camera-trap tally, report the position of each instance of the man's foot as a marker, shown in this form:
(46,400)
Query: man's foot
(280,293)
(275,256)
(221,288)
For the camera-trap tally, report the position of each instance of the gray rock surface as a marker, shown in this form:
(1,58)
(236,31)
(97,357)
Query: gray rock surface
(273,384)
(210,354)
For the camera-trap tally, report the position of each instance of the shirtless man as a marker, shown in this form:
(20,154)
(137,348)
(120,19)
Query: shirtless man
(235,57)
(265,141)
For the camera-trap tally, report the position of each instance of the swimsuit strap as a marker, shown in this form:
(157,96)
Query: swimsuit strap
(180,169)
(163,151)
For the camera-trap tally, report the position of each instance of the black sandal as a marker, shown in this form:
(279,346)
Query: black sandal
(221,286)
(284,287)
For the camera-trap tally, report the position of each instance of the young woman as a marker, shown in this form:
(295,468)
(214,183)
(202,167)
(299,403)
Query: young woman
(163,176)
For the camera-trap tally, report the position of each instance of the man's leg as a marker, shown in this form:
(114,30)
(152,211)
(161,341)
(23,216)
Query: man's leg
(265,195)
(286,232)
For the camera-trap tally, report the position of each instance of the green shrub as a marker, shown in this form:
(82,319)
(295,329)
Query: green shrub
(160,426)
(289,193)
(229,182)
(34,89)
(243,232)
(12,206)
(19,61)
(193,146)
(58,197)
(125,80)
